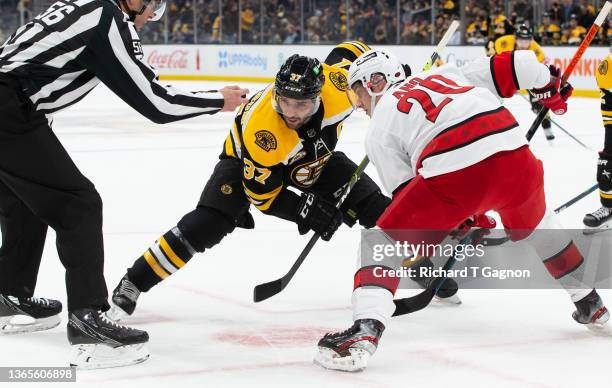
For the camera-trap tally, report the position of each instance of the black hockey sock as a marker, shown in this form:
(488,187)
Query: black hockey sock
(167,255)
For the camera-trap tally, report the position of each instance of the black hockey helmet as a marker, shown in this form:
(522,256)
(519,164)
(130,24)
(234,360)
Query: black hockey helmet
(299,77)
(523,31)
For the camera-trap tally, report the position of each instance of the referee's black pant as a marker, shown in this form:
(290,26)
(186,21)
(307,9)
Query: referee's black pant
(41,186)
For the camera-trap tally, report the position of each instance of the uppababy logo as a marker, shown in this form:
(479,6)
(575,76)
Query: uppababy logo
(231,59)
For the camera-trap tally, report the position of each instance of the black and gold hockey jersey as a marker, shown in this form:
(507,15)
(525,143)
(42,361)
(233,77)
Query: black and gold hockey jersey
(275,156)
(508,42)
(603,75)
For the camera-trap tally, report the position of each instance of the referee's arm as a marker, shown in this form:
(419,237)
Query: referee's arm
(115,57)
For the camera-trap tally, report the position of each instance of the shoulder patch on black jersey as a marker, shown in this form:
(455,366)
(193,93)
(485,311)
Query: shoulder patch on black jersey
(339,80)
(603,68)
(265,140)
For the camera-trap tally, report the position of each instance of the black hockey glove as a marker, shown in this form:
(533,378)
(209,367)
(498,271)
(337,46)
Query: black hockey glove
(604,171)
(316,213)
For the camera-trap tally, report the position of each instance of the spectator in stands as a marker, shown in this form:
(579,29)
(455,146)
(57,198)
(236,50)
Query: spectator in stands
(380,34)
(247,19)
(523,9)
(576,31)
(547,30)
(292,35)
(556,14)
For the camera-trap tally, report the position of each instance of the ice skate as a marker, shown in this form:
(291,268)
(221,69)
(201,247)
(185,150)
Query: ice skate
(598,221)
(26,315)
(124,300)
(351,349)
(97,342)
(590,311)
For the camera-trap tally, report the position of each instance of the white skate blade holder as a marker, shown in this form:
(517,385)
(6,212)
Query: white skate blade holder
(599,329)
(98,356)
(20,324)
(329,359)
(597,229)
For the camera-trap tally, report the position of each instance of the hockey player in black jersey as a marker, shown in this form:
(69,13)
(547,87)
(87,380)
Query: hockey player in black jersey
(601,219)
(284,136)
(47,65)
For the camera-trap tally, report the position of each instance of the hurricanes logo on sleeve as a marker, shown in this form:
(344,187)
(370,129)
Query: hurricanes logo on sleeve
(306,174)
(265,140)
(339,81)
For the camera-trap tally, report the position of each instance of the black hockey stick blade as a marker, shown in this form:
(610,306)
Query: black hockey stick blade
(420,301)
(415,303)
(266,290)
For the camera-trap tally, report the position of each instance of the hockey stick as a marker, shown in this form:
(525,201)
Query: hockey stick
(561,128)
(494,241)
(421,300)
(570,68)
(266,290)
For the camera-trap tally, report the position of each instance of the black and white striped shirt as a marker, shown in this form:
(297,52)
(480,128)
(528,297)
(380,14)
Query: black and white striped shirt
(63,53)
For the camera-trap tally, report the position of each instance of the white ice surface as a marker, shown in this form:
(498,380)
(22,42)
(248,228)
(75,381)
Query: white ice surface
(206,331)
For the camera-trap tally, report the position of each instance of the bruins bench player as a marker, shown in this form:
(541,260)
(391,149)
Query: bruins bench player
(284,136)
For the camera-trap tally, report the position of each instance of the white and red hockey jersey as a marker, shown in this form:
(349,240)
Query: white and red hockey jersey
(450,118)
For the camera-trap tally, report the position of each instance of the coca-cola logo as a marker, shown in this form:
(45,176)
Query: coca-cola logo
(177,59)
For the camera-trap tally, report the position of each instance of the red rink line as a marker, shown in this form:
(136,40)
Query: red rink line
(478,368)
(252,306)
(357,378)
(429,354)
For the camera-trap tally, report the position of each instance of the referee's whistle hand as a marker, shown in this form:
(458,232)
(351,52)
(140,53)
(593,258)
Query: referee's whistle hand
(233,97)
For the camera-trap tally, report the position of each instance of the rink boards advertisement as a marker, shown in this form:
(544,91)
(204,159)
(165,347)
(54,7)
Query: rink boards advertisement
(259,63)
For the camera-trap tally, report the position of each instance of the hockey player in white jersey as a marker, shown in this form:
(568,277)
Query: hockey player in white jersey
(447,149)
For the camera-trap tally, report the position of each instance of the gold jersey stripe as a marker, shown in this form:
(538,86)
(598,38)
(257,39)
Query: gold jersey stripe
(159,271)
(229,147)
(605,195)
(607,122)
(262,201)
(350,46)
(361,44)
(170,253)
(606,112)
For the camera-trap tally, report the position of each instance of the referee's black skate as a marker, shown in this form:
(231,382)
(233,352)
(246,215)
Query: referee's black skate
(124,299)
(26,315)
(598,221)
(590,311)
(351,349)
(99,342)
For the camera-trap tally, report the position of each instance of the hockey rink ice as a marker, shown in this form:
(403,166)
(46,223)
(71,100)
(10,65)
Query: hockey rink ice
(204,329)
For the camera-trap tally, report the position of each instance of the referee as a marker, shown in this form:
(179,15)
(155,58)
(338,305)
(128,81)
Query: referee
(47,65)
